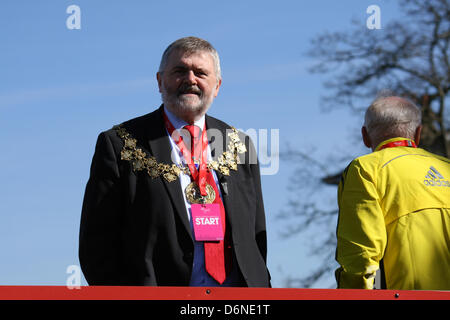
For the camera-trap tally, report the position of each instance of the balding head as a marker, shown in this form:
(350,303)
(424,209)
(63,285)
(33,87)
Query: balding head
(391,117)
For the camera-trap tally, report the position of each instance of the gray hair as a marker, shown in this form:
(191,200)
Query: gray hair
(191,45)
(391,116)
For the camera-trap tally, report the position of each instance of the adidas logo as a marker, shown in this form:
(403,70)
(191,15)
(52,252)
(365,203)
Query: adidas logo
(435,179)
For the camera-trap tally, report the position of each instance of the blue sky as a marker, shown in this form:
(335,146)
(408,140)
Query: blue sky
(60,88)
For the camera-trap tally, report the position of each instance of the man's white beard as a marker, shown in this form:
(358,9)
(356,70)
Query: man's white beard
(183,107)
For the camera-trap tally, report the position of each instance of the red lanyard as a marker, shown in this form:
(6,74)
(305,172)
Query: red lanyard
(199,175)
(401,143)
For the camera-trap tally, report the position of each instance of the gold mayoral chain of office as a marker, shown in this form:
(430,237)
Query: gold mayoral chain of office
(227,161)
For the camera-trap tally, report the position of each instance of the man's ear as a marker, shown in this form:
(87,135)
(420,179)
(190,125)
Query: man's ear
(159,79)
(366,138)
(219,83)
(417,135)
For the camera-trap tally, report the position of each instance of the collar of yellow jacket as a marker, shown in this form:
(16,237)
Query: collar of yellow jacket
(391,140)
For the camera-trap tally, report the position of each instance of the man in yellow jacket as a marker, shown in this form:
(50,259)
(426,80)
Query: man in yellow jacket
(394,206)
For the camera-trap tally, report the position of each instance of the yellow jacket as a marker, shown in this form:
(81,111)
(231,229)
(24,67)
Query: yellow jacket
(394,209)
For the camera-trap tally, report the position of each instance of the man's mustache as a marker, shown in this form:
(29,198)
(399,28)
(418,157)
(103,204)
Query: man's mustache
(189,89)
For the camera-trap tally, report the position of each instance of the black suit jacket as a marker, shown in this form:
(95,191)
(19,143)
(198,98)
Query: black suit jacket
(134,228)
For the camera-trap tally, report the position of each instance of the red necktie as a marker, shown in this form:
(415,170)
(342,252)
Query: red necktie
(217,253)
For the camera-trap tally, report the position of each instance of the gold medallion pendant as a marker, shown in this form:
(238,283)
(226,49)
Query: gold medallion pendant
(194,196)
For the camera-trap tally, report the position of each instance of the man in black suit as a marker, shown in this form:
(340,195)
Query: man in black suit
(174,197)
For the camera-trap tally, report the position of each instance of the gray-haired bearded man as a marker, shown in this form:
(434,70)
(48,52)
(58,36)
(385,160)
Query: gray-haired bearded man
(165,204)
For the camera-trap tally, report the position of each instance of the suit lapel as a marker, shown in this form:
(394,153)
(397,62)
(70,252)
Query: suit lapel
(225,182)
(161,149)
(226,186)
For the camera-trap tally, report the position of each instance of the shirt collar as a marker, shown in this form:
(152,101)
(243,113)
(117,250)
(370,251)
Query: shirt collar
(180,123)
(391,140)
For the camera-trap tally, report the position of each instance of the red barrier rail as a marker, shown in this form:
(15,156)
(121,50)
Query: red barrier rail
(201,293)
